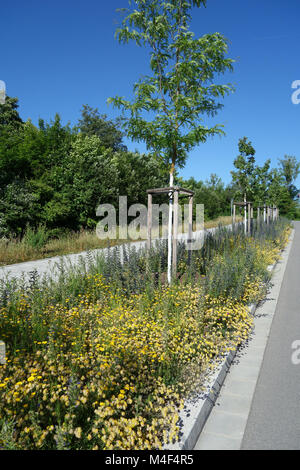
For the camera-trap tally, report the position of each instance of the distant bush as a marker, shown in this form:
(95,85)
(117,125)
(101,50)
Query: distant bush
(36,238)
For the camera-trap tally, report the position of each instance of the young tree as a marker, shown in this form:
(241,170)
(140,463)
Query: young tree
(262,182)
(244,176)
(290,169)
(245,168)
(181,87)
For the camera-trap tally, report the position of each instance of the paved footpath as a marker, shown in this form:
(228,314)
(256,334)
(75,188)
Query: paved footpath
(259,403)
(50,266)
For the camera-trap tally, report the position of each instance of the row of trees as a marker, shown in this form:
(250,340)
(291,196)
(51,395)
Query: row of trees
(56,175)
(263,184)
(258,184)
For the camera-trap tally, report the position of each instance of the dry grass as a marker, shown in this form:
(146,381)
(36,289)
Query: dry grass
(14,251)
(224,220)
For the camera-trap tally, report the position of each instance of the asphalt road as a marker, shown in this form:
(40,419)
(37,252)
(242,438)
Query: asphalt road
(274,418)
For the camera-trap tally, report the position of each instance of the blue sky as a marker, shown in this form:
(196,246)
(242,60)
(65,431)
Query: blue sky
(58,55)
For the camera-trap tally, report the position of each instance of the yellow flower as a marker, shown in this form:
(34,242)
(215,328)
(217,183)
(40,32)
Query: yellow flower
(78,432)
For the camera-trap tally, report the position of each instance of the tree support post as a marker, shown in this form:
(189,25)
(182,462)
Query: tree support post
(149,221)
(249,218)
(233,216)
(190,228)
(2,352)
(173,193)
(175,233)
(245,215)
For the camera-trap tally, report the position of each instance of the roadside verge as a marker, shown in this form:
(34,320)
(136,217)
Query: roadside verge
(197,411)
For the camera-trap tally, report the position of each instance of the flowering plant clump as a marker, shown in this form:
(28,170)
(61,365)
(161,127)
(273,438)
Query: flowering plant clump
(103,368)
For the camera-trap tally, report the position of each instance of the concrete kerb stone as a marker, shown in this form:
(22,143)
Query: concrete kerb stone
(197,409)
(2,352)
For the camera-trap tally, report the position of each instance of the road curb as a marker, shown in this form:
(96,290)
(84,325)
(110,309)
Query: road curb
(196,411)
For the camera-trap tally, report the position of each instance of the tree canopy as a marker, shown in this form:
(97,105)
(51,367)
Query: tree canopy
(181,87)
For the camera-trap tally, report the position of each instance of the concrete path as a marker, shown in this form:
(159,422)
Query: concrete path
(274,419)
(259,403)
(49,266)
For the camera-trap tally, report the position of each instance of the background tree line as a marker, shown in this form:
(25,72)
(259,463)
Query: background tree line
(56,176)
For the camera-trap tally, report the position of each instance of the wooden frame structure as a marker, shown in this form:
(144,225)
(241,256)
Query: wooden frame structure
(265,212)
(248,206)
(269,212)
(175,191)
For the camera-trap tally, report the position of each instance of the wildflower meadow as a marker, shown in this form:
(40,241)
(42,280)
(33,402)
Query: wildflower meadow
(104,356)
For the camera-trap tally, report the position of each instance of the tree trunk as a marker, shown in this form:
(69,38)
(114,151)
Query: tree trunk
(245,214)
(170,225)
